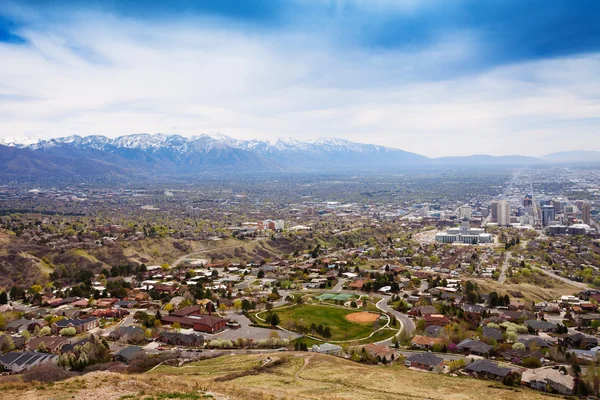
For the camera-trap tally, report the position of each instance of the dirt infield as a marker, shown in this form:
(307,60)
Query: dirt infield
(362,317)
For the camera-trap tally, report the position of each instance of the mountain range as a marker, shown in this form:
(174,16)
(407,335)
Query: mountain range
(160,154)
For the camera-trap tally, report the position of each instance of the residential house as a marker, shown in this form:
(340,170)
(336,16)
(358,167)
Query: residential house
(544,378)
(382,353)
(578,341)
(424,342)
(436,319)
(425,361)
(474,347)
(181,339)
(492,334)
(53,344)
(127,333)
(541,326)
(487,369)
(17,361)
(327,348)
(190,317)
(80,325)
(433,331)
(127,354)
(534,342)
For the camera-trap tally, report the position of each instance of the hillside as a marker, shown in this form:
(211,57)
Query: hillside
(287,376)
(21,262)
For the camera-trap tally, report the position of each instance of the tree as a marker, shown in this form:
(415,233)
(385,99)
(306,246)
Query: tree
(36,289)
(261,274)
(3,298)
(275,320)
(326,332)
(176,326)
(6,344)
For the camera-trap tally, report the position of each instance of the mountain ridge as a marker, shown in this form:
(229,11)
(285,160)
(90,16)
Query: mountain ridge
(166,154)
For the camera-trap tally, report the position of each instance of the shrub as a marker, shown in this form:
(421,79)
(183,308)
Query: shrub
(45,373)
(45,331)
(67,332)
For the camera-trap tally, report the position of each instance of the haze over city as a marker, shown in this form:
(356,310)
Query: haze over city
(440,78)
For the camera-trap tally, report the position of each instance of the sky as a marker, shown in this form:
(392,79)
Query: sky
(435,77)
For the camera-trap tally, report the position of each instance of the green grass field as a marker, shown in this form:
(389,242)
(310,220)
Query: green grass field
(332,317)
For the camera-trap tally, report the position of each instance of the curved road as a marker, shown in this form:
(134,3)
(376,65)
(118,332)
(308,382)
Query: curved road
(407,324)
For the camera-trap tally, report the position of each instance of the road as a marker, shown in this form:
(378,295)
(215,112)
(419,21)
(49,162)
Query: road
(338,287)
(579,285)
(407,324)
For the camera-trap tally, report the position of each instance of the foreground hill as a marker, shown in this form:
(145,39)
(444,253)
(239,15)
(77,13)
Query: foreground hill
(287,376)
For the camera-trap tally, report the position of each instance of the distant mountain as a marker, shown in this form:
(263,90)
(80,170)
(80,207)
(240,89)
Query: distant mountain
(28,163)
(573,157)
(174,154)
(168,155)
(480,159)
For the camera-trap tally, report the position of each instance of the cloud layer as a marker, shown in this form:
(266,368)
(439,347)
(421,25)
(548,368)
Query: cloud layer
(437,78)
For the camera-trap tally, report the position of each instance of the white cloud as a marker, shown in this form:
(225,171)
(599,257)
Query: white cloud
(106,75)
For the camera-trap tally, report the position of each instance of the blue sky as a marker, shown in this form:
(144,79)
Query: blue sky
(445,77)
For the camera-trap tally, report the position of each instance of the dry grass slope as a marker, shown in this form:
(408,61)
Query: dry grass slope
(291,376)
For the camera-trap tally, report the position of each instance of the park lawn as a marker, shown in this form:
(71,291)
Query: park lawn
(332,317)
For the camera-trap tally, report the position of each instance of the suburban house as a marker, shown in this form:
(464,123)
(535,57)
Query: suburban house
(327,348)
(380,352)
(127,354)
(19,325)
(474,347)
(433,331)
(426,361)
(181,339)
(127,333)
(487,369)
(80,325)
(190,317)
(17,361)
(424,342)
(542,378)
(578,340)
(492,334)
(52,343)
(436,319)
(542,326)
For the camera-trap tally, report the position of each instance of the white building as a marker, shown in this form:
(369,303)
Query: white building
(464,234)
(465,212)
(274,225)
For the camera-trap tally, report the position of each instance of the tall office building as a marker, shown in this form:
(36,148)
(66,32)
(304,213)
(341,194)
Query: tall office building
(464,212)
(503,213)
(548,215)
(585,213)
(494,211)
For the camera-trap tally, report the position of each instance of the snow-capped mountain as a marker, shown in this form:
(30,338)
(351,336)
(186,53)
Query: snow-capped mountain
(174,154)
(162,154)
(17,141)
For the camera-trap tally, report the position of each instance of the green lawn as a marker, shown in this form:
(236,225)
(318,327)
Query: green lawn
(332,317)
